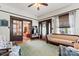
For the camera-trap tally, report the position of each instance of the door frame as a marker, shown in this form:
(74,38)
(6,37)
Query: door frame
(40,24)
(20,19)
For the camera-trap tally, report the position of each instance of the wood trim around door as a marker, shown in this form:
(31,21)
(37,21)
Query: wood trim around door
(47,21)
(21,19)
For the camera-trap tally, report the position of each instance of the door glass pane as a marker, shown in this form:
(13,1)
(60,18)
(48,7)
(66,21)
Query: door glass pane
(40,28)
(44,28)
(14,31)
(17,27)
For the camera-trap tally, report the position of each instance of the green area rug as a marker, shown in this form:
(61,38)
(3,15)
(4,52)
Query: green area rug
(39,48)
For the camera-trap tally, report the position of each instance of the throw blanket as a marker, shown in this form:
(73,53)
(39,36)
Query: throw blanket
(16,51)
(68,51)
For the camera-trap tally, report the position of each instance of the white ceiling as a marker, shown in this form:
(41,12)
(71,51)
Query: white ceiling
(34,11)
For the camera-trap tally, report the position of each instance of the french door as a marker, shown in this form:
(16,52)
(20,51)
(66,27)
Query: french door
(19,28)
(16,32)
(45,28)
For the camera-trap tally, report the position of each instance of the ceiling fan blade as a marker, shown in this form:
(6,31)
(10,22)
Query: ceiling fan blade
(45,4)
(30,5)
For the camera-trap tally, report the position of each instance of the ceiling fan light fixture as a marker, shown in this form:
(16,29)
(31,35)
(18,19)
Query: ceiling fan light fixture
(38,5)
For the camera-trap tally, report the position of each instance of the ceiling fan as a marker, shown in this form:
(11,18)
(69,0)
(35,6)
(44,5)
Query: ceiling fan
(38,5)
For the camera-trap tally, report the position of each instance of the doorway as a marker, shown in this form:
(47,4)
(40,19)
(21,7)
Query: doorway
(20,29)
(45,28)
(26,31)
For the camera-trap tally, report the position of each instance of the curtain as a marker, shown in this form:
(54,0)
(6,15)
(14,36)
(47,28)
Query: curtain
(72,22)
(56,24)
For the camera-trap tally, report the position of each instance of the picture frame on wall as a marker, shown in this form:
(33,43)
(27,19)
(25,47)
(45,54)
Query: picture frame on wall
(3,22)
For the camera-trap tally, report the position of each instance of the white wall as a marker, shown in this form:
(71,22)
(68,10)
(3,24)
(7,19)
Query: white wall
(34,23)
(5,31)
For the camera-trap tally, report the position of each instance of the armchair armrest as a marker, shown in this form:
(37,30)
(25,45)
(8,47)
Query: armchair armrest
(6,54)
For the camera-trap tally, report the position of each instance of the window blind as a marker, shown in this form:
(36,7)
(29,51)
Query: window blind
(64,21)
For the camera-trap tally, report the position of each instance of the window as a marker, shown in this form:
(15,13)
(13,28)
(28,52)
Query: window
(64,26)
(17,27)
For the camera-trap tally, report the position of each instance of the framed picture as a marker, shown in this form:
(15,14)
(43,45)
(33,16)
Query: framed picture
(3,23)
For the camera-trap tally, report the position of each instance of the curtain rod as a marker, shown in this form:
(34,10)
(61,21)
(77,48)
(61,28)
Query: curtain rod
(18,15)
